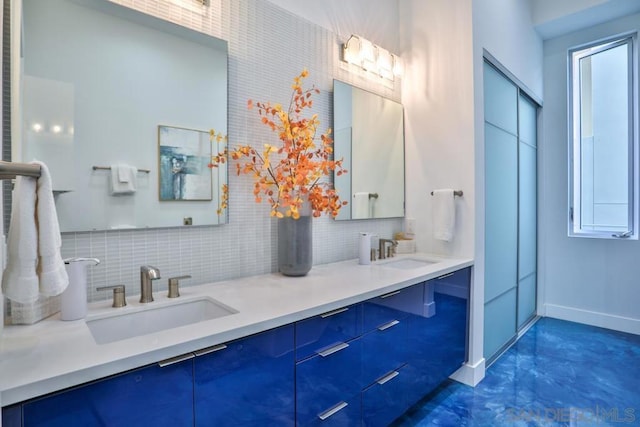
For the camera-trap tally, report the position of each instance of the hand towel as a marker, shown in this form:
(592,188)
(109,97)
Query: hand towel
(360,208)
(19,280)
(51,269)
(123,179)
(444,214)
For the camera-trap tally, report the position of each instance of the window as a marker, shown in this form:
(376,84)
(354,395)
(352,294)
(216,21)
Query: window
(603,139)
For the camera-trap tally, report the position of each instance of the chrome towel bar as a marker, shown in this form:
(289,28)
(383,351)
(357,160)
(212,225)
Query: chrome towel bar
(9,170)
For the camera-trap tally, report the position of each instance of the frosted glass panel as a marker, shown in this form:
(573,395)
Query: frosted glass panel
(501,242)
(526,299)
(500,100)
(527,211)
(499,322)
(527,121)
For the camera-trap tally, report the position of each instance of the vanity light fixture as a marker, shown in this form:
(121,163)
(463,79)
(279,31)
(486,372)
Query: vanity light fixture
(370,57)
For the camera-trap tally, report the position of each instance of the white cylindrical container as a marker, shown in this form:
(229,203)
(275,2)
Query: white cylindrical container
(364,249)
(73,302)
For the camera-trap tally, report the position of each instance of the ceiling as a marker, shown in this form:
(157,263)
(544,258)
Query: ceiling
(553,18)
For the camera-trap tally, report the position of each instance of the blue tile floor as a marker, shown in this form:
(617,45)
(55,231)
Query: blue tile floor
(558,374)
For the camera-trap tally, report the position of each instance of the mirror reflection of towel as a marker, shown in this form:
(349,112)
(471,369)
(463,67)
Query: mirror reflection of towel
(360,205)
(444,214)
(123,179)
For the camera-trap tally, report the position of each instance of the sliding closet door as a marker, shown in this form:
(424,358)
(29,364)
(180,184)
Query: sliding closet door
(501,210)
(527,208)
(510,211)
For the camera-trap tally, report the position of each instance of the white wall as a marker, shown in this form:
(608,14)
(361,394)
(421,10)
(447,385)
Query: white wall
(376,20)
(437,93)
(593,281)
(504,30)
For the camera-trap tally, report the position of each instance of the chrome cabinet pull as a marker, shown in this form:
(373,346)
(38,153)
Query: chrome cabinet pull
(177,359)
(212,349)
(445,276)
(390,294)
(388,325)
(334,349)
(329,412)
(334,312)
(391,375)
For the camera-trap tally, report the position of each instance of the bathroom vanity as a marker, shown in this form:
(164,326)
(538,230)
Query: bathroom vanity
(346,345)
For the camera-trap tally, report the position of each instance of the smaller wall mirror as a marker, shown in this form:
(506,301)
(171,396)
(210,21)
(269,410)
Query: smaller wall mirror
(103,85)
(369,136)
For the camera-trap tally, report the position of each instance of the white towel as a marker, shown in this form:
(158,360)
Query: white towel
(123,179)
(19,280)
(51,269)
(360,208)
(444,214)
(34,263)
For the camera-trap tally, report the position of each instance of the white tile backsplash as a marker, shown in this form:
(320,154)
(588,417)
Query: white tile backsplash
(268,46)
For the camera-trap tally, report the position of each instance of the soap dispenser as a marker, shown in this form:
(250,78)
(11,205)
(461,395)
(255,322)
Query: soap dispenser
(73,303)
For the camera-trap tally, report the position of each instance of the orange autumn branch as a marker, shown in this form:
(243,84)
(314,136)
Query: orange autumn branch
(291,172)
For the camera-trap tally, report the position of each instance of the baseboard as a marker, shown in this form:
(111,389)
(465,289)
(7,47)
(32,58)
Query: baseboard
(470,374)
(593,318)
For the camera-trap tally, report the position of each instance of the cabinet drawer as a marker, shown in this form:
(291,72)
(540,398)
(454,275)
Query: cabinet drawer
(324,380)
(384,350)
(247,382)
(318,332)
(385,400)
(455,284)
(392,306)
(149,396)
(343,413)
(12,416)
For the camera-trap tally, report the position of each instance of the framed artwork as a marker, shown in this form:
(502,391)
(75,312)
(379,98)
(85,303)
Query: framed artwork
(184,155)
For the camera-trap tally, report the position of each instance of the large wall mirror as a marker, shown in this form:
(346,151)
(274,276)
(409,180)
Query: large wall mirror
(369,136)
(102,85)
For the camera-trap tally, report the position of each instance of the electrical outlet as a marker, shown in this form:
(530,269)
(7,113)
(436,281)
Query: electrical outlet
(410,225)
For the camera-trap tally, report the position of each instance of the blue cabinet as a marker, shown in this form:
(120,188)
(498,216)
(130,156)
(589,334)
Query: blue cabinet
(438,337)
(386,399)
(392,306)
(319,332)
(365,364)
(383,350)
(328,371)
(247,382)
(149,396)
(12,416)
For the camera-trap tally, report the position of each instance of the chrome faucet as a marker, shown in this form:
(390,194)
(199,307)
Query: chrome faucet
(147,274)
(382,248)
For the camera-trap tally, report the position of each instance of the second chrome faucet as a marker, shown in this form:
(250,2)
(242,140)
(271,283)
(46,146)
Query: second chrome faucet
(147,274)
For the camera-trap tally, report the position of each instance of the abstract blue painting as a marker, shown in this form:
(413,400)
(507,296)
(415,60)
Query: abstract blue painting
(184,158)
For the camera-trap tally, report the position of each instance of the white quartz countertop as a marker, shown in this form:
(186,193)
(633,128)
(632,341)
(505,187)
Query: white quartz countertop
(54,354)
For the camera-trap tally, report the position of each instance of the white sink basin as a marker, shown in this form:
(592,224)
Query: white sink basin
(152,319)
(408,263)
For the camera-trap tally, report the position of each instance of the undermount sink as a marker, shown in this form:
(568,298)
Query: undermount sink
(155,319)
(408,263)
